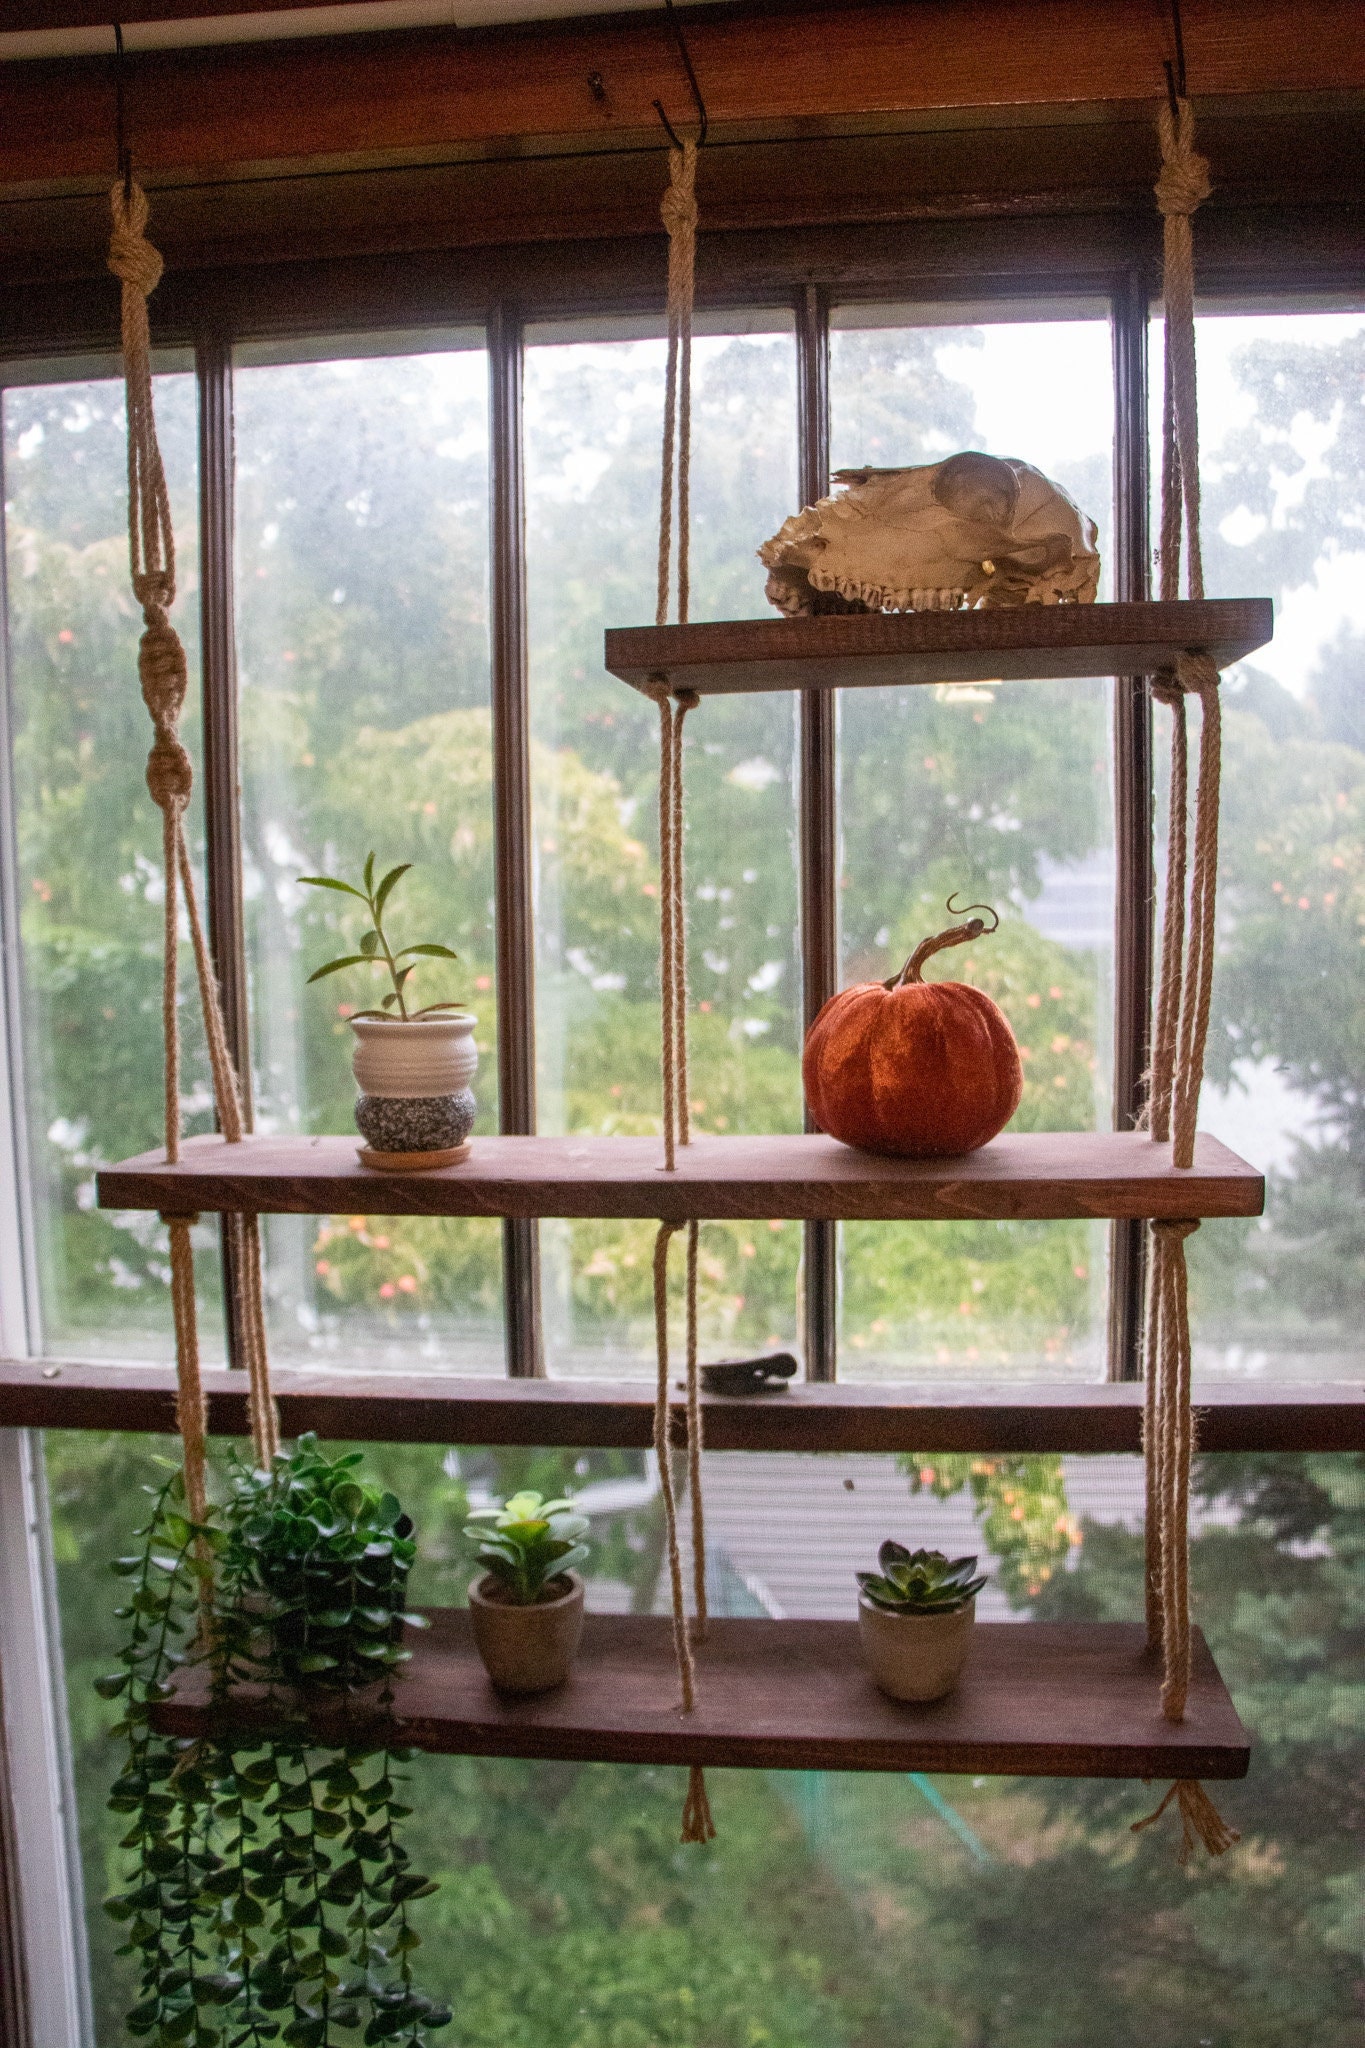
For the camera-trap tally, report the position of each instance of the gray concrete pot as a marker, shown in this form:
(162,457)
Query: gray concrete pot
(526,1649)
(915,1656)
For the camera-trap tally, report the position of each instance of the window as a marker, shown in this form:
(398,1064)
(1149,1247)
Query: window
(362,610)
(592,456)
(1280,453)
(363,548)
(88,858)
(998,794)
(834,1909)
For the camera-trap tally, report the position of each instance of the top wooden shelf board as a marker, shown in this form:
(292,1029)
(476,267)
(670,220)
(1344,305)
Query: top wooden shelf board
(1045,1174)
(1035,641)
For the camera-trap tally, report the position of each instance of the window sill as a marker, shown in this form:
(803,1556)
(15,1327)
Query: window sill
(618,1414)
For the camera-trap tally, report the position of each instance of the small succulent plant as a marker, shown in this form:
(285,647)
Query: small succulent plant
(528,1543)
(920,1581)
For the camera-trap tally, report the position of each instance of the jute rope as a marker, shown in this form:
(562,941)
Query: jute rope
(164,675)
(1182,1010)
(679,213)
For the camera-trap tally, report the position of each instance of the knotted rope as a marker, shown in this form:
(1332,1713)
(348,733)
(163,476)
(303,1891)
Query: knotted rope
(1182,1010)
(679,214)
(164,675)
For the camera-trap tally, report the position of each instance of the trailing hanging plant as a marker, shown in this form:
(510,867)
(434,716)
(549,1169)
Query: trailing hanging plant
(270,1891)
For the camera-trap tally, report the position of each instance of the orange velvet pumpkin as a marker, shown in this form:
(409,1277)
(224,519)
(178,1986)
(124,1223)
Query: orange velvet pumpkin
(921,1069)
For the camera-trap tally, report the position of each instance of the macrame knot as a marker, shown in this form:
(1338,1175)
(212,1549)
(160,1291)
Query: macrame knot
(657,690)
(163,672)
(678,207)
(170,776)
(1193,674)
(132,258)
(1174,1230)
(686,700)
(1196,672)
(1183,184)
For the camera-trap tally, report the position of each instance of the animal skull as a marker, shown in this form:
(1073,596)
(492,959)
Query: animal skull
(974,530)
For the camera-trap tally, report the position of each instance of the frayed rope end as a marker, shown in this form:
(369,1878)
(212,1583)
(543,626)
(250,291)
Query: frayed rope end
(697,1824)
(1199,1819)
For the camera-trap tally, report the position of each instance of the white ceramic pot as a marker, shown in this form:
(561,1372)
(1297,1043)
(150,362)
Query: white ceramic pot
(526,1649)
(426,1056)
(416,1107)
(915,1656)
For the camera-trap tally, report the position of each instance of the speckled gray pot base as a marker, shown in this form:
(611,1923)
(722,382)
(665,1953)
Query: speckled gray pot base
(415,1123)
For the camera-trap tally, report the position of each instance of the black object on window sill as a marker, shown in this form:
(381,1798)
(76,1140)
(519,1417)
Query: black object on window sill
(750,1375)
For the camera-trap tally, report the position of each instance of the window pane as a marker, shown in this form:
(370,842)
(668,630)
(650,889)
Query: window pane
(989,793)
(1282,454)
(593,421)
(88,836)
(859,1909)
(362,566)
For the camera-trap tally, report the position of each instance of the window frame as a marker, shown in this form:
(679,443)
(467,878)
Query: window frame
(1038,259)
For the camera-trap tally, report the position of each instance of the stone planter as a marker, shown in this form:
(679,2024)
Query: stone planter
(915,1656)
(415,1108)
(526,1649)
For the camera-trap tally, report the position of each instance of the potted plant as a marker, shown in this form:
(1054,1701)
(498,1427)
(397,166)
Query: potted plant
(268,1890)
(314,1573)
(915,1617)
(527,1605)
(412,1067)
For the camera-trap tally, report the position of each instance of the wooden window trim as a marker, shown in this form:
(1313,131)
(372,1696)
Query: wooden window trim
(1067,1417)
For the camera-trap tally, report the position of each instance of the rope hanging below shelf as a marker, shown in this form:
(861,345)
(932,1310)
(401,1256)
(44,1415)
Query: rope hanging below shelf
(164,675)
(1181,1023)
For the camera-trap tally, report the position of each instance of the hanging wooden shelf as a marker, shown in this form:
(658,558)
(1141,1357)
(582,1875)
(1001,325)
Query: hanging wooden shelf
(1037,1699)
(1045,1174)
(861,648)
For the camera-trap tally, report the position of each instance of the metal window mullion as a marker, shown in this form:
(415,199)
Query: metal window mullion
(1135,881)
(512,823)
(819,843)
(222,768)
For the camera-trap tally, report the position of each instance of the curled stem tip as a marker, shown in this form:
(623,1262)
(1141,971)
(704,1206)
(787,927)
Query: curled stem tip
(955,935)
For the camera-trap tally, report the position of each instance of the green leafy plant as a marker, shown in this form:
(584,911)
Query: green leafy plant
(315,1569)
(528,1543)
(269,1896)
(920,1581)
(375,950)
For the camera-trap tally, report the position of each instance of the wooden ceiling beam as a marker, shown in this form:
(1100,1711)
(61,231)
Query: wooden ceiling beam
(802,67)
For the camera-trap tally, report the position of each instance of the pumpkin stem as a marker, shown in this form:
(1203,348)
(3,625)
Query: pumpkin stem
(956,935)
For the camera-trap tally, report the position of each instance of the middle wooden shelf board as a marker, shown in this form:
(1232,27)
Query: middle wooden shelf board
(1033,1175)
(1037,1699)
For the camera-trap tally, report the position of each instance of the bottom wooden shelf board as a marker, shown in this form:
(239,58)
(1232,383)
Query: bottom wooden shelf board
(1037,1699)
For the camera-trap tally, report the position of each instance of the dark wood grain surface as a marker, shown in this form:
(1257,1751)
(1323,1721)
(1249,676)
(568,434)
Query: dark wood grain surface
(350,1404)
(772,66)
(1029,1174)
(880,648)
(1037,1699)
